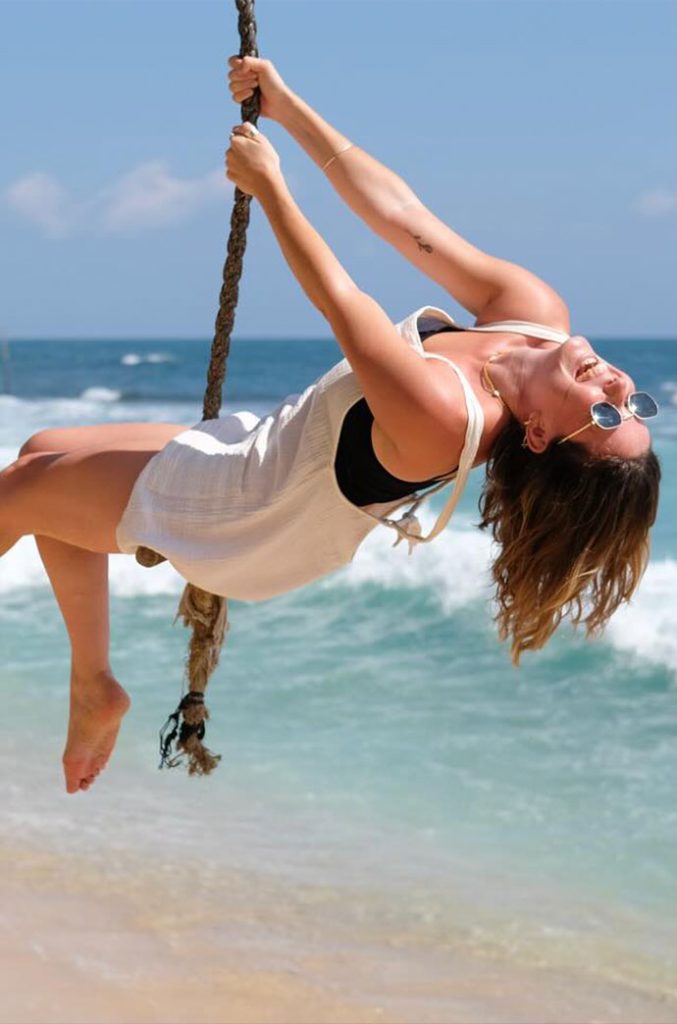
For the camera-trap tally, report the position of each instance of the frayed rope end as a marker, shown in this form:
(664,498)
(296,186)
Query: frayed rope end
(182,734)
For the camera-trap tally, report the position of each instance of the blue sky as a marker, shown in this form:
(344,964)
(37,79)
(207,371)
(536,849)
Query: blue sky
(541,130)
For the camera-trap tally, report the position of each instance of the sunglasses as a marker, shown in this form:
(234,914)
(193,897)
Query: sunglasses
(608,416)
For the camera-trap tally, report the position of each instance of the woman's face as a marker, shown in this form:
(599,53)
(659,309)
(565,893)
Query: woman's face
(559,386)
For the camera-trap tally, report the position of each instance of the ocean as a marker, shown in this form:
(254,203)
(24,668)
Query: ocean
(402,823)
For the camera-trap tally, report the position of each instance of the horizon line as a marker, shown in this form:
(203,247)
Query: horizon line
(57,339)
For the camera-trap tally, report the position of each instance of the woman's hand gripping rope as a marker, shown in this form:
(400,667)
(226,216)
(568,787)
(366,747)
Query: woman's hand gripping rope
(252,163)
(249,73)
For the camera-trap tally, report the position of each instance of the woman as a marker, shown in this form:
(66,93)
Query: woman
(250,508)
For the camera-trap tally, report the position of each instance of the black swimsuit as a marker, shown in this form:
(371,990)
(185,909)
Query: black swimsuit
(359,474)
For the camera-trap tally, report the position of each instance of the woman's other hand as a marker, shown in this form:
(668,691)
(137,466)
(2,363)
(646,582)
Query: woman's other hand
(246,73)
(252,162)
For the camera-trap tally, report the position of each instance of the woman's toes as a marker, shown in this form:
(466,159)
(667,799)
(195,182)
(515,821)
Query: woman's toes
(79,775)
(74,772)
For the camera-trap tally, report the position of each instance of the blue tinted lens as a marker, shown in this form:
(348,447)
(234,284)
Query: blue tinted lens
(606,415)
(642,405)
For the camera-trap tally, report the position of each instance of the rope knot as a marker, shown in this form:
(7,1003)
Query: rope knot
(193,708)
(182,734)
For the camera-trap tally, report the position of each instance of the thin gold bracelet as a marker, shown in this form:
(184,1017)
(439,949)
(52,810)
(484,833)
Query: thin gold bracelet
(338,152)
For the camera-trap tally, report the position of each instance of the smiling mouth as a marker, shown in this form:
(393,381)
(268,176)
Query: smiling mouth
(589,369)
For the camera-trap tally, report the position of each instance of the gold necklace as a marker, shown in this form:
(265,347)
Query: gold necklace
(493,390)
(486,379)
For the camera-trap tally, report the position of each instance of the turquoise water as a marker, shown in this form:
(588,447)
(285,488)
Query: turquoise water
(376,740)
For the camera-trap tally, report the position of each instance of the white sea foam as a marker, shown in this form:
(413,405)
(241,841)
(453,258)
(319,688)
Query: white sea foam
(670,387)
(13,408)
(20,417)
(454,566)
(129,579)
(134,359)
(647,627)
(99,394)
(22,569)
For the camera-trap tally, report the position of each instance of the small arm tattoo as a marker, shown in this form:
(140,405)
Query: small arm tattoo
(423,246)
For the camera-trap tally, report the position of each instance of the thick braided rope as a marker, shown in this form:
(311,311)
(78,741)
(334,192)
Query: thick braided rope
(237,240)
(207,613)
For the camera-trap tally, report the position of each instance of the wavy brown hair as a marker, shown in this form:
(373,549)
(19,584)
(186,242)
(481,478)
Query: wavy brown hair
(573,529)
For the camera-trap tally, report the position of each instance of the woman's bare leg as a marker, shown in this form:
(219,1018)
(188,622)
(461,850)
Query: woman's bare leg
(79,580)
(79,576)
(126,436)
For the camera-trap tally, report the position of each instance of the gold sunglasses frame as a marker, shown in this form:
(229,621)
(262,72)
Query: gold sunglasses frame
(592,422)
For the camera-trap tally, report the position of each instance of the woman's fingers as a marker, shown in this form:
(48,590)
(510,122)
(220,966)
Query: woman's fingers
(242,85)
(240,73)
(247,129)
(240,96)
(239,81)
(236,74)
(246,75)
(243,63)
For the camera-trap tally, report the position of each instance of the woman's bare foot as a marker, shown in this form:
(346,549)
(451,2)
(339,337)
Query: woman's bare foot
(98,704)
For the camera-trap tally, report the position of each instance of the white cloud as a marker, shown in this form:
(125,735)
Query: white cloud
(41,200)
(657,202)
(148,196)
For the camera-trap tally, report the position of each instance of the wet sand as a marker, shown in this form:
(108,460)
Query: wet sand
(75,949)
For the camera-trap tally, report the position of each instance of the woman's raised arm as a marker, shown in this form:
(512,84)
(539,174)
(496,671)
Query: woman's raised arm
(413,403)
(485,285)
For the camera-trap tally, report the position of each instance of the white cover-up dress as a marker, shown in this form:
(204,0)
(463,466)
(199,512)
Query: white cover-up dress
(248,507)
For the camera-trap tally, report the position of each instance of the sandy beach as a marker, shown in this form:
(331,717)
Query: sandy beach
(82,944)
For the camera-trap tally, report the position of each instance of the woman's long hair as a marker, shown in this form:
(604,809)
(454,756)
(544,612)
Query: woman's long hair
(573,530)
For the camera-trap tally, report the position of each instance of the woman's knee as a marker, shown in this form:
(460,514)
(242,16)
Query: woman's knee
(75,497)
(39,442)
(18,482)
(31,445)
(27,469)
